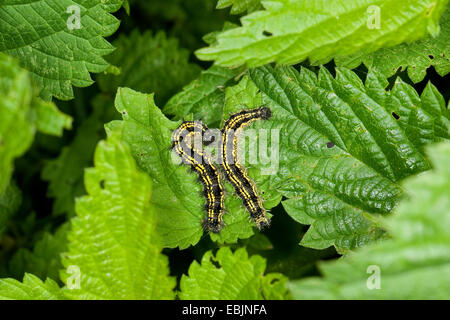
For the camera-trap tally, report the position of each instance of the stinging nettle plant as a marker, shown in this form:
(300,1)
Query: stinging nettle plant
(92,205)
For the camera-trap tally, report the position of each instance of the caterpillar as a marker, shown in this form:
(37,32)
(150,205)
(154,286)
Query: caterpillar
(200,163)
(236,173)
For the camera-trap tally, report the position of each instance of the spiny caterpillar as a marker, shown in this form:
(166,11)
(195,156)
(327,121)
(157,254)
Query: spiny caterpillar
(236,173)
(209,176)
(183,142)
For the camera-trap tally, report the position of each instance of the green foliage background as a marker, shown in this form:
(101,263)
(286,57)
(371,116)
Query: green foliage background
(93,207)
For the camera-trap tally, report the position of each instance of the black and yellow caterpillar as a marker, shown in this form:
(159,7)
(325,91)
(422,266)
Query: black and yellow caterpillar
(209,175)
(206,170)
(234,172)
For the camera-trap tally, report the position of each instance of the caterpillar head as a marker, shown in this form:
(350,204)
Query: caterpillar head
(265,113)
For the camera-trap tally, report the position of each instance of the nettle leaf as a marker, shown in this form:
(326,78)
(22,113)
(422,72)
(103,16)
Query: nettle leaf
(177,193)
(32,288)
(49,119)
(16,125)
(231,276)
(113,243)
(203,97)
(290,31)
(10,201)
(21,115)
(299,262)
(58,41)
(341,149)
(258,242)
(186,20)
(414,264)
(416,56)
(149,63)
(44,261)
(239,6)
(245,93)
(65,173)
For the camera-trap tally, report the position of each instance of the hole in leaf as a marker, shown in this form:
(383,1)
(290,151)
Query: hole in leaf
(330,144)
(267,33)
(102,184)
(430,56)
(396,116)
(273,281)
(215,263)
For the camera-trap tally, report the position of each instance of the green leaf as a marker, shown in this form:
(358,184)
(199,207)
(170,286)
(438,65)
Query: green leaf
(245,93)
(39,34)
(45,259)
(211,38)
(290,31)
(258,242)
(203,97)
(177,194)
(149,63)
(65,173)
(341,151)
(414,264)
(299,262)
(231,276)
(10,201)
(16,125)
(21,115)
(435,105)
(113,242)
(32,288)
(50,120)
(126,6)
(416,56)
(338,175)
(239,6)
(188,21)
